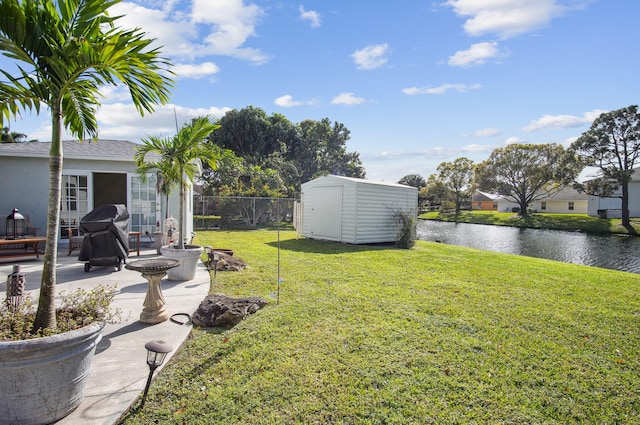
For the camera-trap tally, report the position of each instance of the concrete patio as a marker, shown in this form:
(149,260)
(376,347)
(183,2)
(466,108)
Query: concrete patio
(119,370)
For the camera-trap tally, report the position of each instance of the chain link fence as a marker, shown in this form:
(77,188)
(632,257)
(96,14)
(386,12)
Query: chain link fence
(213,212)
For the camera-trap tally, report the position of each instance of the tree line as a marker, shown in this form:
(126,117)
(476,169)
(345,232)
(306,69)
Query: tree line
(529,172)
(268,155)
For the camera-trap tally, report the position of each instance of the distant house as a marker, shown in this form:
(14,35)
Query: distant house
(350,210)
(484,201)
(94,173)
(507,205)
(566,201)
(612,207)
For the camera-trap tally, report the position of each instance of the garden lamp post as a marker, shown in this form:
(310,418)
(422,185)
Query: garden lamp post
(156,353)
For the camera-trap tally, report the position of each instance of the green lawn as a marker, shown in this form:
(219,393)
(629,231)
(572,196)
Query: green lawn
(433,335)
(569,222)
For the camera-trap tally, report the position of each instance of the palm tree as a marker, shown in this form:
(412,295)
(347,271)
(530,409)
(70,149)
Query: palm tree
(178,155)
(65,51)
(8,136)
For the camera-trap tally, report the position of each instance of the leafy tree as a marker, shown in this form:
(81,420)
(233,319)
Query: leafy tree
(435,192)
(179,154)
(67,50)
(414,180)
(321,149)
(251,134)
(613,145)
(299,152)
(457,177)
(8,136)
(526,172)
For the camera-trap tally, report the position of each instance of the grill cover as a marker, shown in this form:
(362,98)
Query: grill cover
(106,233)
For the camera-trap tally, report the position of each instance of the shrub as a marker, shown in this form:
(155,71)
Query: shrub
(406,222)
(77,309)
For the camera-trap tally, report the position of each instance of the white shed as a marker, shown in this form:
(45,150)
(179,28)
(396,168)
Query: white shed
(350,210)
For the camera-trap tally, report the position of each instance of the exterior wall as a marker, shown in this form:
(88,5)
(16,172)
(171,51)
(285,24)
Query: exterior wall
(375,208)
(505,205)
(25,184)
(484,205)
(362,212)
(613,205)
(561,207)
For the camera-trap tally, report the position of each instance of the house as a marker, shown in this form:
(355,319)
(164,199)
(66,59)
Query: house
(612,207)
(351,210)
(507,204)
(484,201)
(566,201)
(94,174)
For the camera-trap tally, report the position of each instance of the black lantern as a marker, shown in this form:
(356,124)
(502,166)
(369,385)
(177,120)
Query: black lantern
(156,352)
(16,225)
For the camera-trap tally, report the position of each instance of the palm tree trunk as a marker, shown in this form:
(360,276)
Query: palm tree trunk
(181,218)
(46,313)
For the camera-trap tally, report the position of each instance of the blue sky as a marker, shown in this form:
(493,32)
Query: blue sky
(416,82)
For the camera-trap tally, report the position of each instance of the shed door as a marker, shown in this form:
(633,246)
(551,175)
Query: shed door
(327,212)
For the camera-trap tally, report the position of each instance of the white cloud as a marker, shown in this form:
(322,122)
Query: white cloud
(563,121)
(200,70)
(117,93)
(227,25)
(475,148)
(514,140)
(122,120)
(460,88)
(371,57)
(434,152)
(347,99)
(477,54)
(309,15)
(287,101)
(506,18)
(487,132)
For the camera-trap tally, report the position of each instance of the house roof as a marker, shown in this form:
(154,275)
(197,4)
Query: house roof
(484,196)
(100,150)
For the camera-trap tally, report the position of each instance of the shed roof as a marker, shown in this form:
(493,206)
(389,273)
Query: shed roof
(360,181)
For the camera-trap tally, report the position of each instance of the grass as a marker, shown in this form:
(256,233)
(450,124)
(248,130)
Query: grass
(568,222)
(433,335)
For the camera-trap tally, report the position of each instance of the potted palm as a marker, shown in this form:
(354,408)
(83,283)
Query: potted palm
(65,51)
(177,162)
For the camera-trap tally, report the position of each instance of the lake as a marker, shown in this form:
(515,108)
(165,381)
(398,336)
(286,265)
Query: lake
(611,252)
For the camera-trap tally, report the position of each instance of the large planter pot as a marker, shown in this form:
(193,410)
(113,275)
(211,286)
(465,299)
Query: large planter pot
(188,257)
(42,380)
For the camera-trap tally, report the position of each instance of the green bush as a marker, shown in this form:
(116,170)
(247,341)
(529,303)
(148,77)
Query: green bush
(406,222)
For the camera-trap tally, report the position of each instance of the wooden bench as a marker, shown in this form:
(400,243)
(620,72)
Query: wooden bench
(23,247)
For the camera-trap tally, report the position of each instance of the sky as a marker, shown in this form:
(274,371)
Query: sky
(417,83)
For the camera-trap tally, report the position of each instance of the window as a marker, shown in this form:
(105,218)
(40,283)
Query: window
(143,215)
(570,205)
(543,205)
(75,202)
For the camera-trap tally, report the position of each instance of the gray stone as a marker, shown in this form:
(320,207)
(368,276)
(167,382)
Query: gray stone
(226,262)
(219,310)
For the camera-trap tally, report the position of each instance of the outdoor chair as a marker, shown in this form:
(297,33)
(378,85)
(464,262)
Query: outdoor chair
(31,231)
(75,239)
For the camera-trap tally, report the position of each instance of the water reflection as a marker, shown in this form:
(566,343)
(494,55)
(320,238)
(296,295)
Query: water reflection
(612,252)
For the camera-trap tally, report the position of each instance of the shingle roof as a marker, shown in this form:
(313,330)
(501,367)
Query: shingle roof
(106,150)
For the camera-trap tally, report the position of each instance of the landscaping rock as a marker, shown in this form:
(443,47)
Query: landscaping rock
(219,310)
(226,262)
